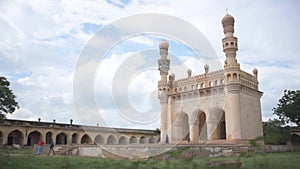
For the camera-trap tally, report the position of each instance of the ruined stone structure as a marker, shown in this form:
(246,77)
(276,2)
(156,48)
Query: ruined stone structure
(222,104)
(30,132)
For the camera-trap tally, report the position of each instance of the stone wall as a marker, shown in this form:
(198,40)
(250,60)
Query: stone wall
(171,151)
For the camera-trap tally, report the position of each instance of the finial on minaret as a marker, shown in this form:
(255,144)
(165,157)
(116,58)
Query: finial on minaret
(189,72)
(206,68)
(226,10)
(255,72)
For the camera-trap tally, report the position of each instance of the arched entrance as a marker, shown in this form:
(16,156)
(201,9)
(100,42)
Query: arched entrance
(122,140)
(182,132)
(33,138)
(216,124)
(74,138)
(86,139)
(295,139)
(197,126)
(61,138)
(48,137)
(151,140)
(99,139)
(142,140)
(111,140)
(132,140)
(15,137)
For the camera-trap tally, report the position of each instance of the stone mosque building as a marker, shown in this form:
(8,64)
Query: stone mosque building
(218,105)
(223,104)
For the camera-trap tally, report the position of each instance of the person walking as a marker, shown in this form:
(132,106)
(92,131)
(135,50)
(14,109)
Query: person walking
(51,147)
(40,147)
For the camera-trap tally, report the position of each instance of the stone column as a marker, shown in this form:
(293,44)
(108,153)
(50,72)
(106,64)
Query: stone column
(194,131)
(178,128)
(69,138)
(212,125)
(163,121)
(233,113)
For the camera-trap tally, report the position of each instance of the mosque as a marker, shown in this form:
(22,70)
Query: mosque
(223,104)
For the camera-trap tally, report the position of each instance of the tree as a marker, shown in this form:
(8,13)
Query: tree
(288,108)
(8,103)
(274,133)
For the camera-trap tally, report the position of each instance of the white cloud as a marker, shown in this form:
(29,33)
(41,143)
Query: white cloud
(43,40)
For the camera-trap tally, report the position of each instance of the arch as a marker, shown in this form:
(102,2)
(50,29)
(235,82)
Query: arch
(48,137)
(234,77)
(1,138)
(218,127)
(86,139)
(202,85)
(151,140)
(111,140)
(142,140)
(211,83)
(222,81)
(15,137)
(228,77)
(99,139)
(132,140)
(61,138)
(231,43)
(33,138)
(226,44)
(198,86)
(200,124)
(216,83)
(295,139)
(183,126)
(74,138)
(122,140)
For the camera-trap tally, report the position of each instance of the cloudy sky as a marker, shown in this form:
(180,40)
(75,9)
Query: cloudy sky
(42,41)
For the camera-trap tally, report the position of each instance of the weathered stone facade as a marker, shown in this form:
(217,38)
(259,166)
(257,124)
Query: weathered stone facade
(30,132)
(223,104)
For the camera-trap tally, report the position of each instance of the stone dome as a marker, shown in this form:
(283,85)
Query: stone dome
(163,44)
(228,20)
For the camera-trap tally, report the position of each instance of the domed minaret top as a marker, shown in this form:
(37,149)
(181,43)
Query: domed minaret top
(163,49)
(163,44)
(228,25)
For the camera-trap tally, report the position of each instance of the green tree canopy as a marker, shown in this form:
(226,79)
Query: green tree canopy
(274,133)
(8,103)
(288,108)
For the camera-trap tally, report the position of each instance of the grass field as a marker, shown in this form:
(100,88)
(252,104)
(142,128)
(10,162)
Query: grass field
(25,159)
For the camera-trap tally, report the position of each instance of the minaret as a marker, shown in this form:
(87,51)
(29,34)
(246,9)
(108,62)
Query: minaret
(232,82)
(163,67)
(229,42)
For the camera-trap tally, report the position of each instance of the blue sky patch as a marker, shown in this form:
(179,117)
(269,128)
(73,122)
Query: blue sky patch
(118,3)
(90,27)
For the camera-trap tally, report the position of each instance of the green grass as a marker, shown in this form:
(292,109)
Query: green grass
(26,160)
